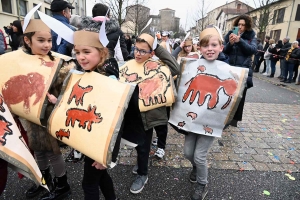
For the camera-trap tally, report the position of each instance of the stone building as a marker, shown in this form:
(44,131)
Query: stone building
(277,20)
(165,20)
(136,17)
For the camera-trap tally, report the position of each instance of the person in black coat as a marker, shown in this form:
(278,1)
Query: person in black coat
(112,28)
(240,49)
(128,43)
(267,38)
(273,58)
(282,53)
(292,57)
(16,35)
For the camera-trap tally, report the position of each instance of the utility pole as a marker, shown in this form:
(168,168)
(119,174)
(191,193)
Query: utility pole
(18,9)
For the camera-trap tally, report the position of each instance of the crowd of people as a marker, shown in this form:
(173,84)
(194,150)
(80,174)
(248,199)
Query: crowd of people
(241,49)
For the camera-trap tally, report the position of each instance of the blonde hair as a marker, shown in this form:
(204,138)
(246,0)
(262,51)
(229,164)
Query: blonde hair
(205,40)
(104,54)
(271,41)
(183,53)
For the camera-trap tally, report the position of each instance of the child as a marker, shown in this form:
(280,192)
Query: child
(185,49)
(196,146)
(138,126)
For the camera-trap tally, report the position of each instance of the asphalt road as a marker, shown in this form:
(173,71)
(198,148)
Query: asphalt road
(172,183)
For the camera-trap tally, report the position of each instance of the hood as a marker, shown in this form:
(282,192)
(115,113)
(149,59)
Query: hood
(111,25)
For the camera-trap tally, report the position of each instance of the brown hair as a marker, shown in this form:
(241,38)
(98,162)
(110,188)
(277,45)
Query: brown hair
(205,40)
(140,40)
(248,21)
(271,41)
(104,54)
(183,53)
(28,49)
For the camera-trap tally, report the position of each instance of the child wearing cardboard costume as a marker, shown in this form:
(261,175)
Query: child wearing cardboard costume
(186,49)
(37,41)
(196,146)
(138,126)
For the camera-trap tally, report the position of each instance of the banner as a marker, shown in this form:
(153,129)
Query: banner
(13,148)
(89,113)
(154,80)
(208,96)
(25,80)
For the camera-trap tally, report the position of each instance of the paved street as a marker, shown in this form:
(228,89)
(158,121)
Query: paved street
(248,159)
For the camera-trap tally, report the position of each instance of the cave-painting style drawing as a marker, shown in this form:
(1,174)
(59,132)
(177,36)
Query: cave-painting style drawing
(20,88)
(208,129)
(46,63)
(62,133)
(4,130)
(133,77)
(181,124)
(201,68)
(192,115)
(88,116)
(151,65)
(153,90)
(78,93)
(2,109)
(207,85)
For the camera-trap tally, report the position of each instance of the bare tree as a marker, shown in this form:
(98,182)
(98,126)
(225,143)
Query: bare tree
(128,10)
(200,15)
(269,13)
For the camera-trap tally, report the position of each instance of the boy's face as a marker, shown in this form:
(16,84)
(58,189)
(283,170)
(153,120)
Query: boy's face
(212,50)
(142,52)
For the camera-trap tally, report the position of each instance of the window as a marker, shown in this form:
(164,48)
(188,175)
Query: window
(23,7)
(254,20)
(36,15)
(275,34)
(297,18)
(274,17)
(48,11)
(280,16)
(6,6)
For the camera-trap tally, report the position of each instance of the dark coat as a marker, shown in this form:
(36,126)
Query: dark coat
(284,49)
(240,53)
(274,52)
(294,55)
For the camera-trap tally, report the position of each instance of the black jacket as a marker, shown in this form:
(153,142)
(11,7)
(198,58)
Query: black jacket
(294,55)
(284,49)
(274,52)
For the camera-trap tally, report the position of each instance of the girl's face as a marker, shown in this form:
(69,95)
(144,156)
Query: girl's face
(41,43)
(242,26)
(187,48)
(142,52)
(212,50)
(88,57)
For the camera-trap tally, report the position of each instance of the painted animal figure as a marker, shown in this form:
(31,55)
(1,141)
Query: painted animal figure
(62,133)
(181,124)
(133,77)
(206,85)
(46,63)
(151,65)
(201,68)
(78,92)
(192,115)
(152,90)
(2,109)
(4,130)
(88,116)
(208,129)
(20,88)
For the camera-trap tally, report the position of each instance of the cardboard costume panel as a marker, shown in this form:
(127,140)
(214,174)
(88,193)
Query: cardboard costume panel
(13,148)
(208,96)
(89,113)
(154,80)
(25,80)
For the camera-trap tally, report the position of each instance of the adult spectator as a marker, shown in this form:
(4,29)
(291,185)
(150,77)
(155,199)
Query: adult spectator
(298,82)
(258,55)
(112,28)
(128,43)
(165,41)
(274,57)
(282,54)
(291,58)
(61,10)
(75,21)
(240,49)
(267,38)
(15,32)
(3,45)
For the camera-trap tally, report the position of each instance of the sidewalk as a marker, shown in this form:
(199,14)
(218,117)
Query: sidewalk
(276,81)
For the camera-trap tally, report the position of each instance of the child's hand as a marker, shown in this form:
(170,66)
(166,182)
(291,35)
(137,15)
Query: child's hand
(51,98)
(98,166)
(182,44)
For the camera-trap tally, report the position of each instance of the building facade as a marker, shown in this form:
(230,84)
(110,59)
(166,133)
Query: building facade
(277,20)
(136,16)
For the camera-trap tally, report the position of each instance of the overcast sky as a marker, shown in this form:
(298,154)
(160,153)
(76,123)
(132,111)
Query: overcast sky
(184,9)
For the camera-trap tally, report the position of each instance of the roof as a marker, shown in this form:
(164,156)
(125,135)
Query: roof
(231,2)
(232,11)
(270,4)
(166,9)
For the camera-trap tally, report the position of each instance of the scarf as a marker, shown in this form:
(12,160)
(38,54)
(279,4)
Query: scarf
(289,53)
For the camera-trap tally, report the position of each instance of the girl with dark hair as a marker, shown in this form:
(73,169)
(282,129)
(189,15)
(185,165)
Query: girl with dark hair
(240,49)
(16,36)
